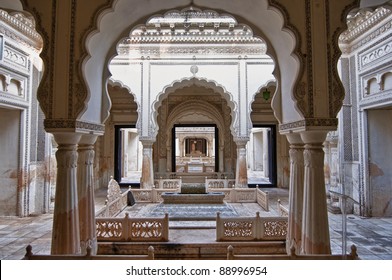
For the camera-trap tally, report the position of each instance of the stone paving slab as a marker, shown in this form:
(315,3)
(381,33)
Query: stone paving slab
(192,212)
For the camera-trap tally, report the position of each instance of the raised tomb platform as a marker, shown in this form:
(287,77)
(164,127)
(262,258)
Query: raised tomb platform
(193,194)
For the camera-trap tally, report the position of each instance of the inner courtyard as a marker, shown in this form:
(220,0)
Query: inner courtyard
(268,106)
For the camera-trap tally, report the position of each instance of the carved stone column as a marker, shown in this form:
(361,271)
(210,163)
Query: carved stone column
(221,159)
(66,233)
(241,178)
(315,228)
(296,190)
(147,179)
(169,166)
(266,167)
(86,193)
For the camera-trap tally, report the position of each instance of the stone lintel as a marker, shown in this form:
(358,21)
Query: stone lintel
(71,125)
(310,124)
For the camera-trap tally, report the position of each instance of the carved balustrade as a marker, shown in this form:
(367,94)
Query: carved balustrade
(263,199)
(283,211)
(133,229)
(168,183)
(88,256)
(292,256)
(251,228)
(244,195)
(150,196)
(115,202)
(216,183)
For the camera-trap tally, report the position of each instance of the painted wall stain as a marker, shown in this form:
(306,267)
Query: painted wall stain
(375,170)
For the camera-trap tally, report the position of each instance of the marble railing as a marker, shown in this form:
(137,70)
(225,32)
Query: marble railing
(283,211)
(219,183)
(88,256)
(168,183)
(292,256)
(263,199)
(211,175)
(114,204)
(243,195)
(233,195)
(251,228)
(236,195)
(132,229)
(150,195)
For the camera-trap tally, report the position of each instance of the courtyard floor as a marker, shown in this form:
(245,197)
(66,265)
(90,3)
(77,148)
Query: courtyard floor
(372,236)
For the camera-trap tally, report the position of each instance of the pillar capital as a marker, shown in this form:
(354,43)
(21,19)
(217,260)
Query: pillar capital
(314,136)
(147,142)
(294,139)
(67,138)
(241,142)
(88,139)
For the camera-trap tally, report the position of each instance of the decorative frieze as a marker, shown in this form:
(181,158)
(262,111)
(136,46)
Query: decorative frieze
(15,57)
(22,30)
(310,122)
(362,22)
(375,55)
(69,124)
(192,49)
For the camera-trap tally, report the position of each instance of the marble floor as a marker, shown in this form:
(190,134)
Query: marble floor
(372,236)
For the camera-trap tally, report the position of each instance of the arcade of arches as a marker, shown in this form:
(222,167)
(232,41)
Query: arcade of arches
(140,90)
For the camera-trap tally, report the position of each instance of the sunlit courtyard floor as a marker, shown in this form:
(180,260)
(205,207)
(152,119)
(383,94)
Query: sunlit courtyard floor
(372,236)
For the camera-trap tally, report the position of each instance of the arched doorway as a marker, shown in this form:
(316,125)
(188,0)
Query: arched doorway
(193,47)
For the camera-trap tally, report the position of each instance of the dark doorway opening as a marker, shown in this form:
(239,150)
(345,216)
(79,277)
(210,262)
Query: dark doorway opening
(127,156)
(195,148)
(261,156)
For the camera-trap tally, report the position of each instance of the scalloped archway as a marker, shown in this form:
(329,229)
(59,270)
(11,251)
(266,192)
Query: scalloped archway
(186,82)
(265,19)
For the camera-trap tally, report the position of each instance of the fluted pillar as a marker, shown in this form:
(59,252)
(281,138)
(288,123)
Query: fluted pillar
(241,178)
(65,233)
(147,179)
(296,190)
(86,193)
(315,228)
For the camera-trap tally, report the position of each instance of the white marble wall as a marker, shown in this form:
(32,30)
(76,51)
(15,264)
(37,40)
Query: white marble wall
(10,171)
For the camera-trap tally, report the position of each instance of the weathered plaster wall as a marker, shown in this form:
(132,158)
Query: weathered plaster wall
(380,162)
(9,163)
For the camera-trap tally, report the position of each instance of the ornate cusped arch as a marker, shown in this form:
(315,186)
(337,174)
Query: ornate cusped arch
(195,107)
(266,19)
(191,107)
(266,85)
(186,82)
(122,85)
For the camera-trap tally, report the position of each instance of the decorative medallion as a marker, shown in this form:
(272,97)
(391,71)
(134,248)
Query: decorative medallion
(194,69)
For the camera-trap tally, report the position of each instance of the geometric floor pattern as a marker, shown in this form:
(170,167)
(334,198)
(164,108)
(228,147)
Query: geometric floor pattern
(188,212)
